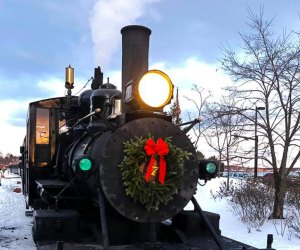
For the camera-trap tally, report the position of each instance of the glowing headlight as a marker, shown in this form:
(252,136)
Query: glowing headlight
(155,89)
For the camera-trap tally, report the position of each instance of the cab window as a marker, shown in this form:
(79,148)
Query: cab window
(42,126)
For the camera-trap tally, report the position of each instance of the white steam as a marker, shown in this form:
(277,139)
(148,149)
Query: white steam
(107,19)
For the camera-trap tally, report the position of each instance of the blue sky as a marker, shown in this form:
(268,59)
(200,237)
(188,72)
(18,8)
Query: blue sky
(40,38)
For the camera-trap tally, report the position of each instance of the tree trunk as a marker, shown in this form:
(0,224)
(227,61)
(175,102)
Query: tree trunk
(279,195)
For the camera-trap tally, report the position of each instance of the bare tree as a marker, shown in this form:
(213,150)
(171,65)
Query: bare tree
(267,70)
(221,125)
(199,103)
(225,127)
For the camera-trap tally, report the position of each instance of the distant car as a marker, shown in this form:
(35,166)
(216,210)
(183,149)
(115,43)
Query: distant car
(290,181)
(294,174)
(225,174)
(261,174)
(237,175)
(240,175)
(268,177)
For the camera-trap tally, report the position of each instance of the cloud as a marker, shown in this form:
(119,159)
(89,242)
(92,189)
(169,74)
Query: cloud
(107,19)
(192,71)
(8,107)
(115,77)
(195,72)
(11,136)
(55,87)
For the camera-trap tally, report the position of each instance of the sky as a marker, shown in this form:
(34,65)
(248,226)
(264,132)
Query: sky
(40,38)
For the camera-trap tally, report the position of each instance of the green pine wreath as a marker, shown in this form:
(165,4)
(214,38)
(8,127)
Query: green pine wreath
(151,194)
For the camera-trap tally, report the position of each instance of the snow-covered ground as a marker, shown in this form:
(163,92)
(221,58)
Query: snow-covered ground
(231,227)
(15,227)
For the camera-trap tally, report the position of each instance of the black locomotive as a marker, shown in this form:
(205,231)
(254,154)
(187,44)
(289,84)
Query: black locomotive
(73,151)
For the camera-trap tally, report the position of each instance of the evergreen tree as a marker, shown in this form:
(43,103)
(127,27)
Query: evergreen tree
(175,111)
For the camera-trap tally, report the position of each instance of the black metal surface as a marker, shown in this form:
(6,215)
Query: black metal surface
(103,220)
(204,243)
(144,114)
(52,224)
(209,226)
(51,183)
(110,175)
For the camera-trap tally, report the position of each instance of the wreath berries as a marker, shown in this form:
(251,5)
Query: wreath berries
(152,172)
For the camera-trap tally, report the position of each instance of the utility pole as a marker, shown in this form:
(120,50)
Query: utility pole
(256,141)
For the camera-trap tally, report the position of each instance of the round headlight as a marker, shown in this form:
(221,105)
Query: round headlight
(155,89)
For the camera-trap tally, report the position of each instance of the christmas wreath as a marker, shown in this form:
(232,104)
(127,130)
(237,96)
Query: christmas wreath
(152,171)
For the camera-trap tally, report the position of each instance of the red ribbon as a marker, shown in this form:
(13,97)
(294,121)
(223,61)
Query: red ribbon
(161,148)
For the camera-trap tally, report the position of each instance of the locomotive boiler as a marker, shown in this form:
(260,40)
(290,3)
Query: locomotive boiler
(108,168)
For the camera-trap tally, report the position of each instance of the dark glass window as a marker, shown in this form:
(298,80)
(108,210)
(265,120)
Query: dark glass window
(42,126)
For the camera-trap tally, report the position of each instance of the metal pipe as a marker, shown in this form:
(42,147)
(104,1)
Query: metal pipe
(255,146)
(135,49)
(59,194)
(104,228)
(256,141)
(59,245)
(212,231)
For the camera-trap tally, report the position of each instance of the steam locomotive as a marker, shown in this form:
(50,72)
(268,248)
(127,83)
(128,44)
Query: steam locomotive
(89,178)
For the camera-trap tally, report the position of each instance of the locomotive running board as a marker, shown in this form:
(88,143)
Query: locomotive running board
(59,245)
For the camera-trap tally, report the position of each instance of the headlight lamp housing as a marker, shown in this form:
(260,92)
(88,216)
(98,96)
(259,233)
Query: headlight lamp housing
(208,169)
(152,91)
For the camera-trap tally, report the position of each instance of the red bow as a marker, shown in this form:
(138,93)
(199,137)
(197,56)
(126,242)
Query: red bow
(161,148)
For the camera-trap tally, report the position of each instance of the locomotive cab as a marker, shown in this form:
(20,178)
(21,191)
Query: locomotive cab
(46,121)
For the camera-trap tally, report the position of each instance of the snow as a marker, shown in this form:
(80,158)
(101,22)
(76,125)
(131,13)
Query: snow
(231,227)
(15,227)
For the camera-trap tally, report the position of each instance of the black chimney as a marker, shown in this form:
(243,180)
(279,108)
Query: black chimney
(98,79)
(135,49)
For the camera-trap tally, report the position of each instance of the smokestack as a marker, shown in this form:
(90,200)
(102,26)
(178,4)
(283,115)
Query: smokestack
(135,49)
(98,79)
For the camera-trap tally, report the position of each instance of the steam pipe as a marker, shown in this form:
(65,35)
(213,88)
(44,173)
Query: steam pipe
(135,49)
(221,244)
